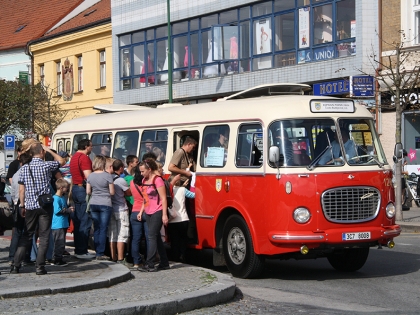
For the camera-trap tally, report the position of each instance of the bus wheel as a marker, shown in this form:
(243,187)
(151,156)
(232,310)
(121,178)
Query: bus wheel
(349,259)
(238,250)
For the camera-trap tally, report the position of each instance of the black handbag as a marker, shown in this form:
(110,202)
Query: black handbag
(44,200)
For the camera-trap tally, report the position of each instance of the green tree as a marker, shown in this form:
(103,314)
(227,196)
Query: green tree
(398,74)
(16,104)
(32,108)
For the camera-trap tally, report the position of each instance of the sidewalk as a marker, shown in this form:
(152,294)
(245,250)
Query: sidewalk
(411,220)
(93,287)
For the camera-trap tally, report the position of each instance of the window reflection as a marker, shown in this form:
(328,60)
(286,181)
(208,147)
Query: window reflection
(284,37)
(323,24)
(346,19)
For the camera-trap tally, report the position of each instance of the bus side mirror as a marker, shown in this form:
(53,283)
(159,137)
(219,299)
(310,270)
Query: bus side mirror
(398,150)
(275,157)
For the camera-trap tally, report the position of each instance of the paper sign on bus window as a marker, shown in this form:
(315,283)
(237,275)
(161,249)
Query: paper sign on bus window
(332,106)
(215,156)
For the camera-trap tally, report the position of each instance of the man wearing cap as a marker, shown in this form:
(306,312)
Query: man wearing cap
(80,168)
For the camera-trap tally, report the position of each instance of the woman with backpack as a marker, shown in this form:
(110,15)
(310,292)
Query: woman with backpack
(155,206)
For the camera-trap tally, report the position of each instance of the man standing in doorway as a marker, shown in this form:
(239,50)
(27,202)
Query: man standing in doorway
(180,164)
(80,168)
(181,160)
(34,180)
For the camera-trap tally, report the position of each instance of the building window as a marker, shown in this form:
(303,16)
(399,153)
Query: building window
(263,35)
(102,67)
(80,73)
(42,75)
(416,31)
(59,81)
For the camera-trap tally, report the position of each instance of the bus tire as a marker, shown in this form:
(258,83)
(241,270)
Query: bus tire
(238,249)
(349,259)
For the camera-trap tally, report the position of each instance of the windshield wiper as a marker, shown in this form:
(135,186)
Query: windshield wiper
(311,166)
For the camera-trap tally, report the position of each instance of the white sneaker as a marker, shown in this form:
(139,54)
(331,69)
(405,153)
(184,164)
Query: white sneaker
(86,256)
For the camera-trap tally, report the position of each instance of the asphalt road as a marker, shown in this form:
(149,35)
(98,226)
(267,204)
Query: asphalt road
(387,284)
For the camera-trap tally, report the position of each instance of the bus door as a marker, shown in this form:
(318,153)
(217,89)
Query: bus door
(179,136)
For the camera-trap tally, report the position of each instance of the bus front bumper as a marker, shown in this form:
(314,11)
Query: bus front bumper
(380,234)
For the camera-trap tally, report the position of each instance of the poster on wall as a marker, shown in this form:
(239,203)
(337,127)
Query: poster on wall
(304,27)
(263,36)
(353,28)
(263,42)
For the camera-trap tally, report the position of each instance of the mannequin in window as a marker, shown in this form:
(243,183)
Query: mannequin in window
(150,69)
(186,63)
(213,69)
(233,54)
(176,74)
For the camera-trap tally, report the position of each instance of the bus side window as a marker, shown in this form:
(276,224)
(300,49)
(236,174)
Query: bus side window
(76,141)
(214,150)
(154,141)
(125,144)
(101,144)
(249,152)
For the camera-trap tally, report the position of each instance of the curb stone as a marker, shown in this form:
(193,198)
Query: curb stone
(220,291)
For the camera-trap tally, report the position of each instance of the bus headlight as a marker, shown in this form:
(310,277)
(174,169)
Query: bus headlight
(390,210)
(301,215)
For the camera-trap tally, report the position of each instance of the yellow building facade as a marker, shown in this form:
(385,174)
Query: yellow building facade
(89,51)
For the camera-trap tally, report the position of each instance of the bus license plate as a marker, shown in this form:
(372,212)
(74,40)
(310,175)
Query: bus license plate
(356,236)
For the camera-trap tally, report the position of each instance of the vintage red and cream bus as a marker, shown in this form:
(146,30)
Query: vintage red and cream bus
(279,174)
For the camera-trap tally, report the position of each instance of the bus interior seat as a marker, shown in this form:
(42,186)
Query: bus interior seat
(300,157)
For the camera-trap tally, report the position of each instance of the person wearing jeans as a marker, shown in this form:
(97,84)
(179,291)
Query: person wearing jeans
(101,216)
(81,221)
(100,186)
(155,206)
(80,168)
(139,228)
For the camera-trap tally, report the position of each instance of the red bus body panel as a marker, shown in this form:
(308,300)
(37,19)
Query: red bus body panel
(275,231)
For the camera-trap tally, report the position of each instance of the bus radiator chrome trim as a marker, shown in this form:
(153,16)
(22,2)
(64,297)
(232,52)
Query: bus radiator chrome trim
(207,217)
(298,237)
(351,204)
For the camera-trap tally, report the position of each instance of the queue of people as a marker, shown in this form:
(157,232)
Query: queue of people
(125,205)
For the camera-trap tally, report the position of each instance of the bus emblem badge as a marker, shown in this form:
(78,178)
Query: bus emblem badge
(218,185)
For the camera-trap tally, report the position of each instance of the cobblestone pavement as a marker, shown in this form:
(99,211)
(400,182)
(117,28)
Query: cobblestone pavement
(165,283)
(181,285)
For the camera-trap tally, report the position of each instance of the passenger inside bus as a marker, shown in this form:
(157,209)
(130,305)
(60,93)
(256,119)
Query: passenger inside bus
(337,157)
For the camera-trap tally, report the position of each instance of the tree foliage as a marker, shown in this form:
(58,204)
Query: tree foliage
(15,107)
(25,108)
(398,73)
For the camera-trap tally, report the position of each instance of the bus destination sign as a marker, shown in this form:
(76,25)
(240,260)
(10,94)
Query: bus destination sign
(332,106)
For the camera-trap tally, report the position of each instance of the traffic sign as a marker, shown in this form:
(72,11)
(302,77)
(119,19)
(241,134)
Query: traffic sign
(9,142)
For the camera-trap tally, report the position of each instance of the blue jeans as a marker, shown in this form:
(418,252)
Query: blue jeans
(81,220)
(154,222)
(138,228)
(100,215)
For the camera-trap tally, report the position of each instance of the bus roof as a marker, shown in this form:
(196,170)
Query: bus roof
(262,108)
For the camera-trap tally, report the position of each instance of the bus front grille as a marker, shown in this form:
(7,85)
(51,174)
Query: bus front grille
(351,204)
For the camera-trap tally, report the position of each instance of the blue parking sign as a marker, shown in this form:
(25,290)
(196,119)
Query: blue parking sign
(9,142)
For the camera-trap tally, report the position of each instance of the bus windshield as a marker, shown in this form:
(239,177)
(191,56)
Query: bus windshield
(325,142)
